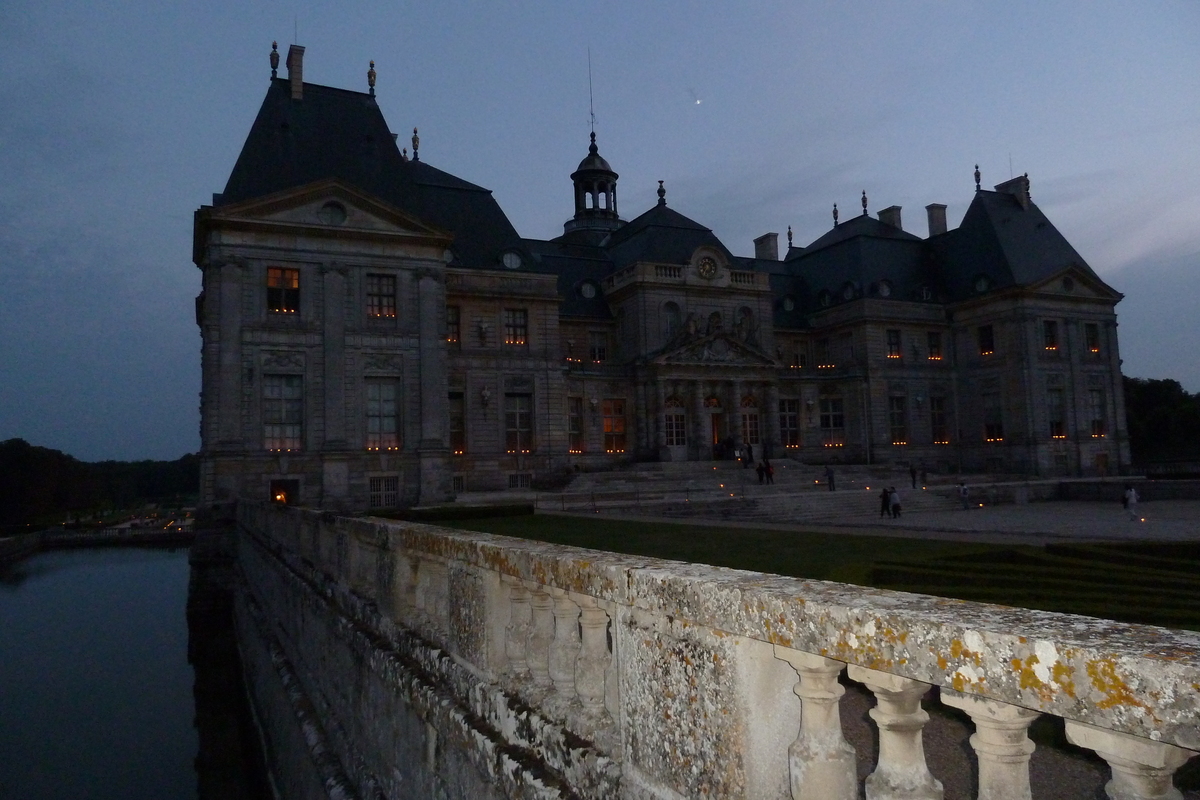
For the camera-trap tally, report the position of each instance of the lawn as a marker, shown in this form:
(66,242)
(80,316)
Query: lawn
(1148,583)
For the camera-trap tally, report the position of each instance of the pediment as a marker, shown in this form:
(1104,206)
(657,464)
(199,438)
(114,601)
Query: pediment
(716,349)
(1072,281)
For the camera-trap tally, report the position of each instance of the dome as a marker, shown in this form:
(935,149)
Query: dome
(594,162)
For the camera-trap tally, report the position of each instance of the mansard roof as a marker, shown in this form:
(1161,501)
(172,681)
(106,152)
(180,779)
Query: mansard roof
(575,264)
(660,235)
(335,133)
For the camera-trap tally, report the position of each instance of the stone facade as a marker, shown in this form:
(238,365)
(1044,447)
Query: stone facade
(376,334)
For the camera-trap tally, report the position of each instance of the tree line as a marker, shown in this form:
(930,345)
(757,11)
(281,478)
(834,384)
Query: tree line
(1164,421)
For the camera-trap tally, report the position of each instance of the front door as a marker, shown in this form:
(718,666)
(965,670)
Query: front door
(716,421)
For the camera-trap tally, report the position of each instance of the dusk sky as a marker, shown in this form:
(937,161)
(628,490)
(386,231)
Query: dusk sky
(119,119)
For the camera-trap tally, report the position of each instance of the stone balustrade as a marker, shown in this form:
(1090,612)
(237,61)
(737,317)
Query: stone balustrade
(563,672)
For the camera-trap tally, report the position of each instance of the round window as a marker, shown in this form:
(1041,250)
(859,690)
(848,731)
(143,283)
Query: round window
(885,289)
(848,292)
(588,290)
(332,213)
(982,283)
(789,303)
(1068,283)
(512,260)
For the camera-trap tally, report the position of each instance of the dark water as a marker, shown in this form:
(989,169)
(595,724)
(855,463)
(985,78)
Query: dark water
(96,693)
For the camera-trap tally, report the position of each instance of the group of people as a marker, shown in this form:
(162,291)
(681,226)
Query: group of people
(889,502)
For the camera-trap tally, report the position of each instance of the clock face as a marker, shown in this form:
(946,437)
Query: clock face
(707,268)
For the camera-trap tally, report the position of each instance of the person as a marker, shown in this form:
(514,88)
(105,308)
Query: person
(1131,501)
(762,472)
(885,503)
(912,473)
(749,456)
(770,470)
(963,493)
(894,500)
(829,478)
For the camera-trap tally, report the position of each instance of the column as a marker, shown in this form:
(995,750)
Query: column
(540,635)
(660,395)
(1001,743)
(593,658)
(700,444)
(229,361)
(821,762)
(516,633)
(432,449)
(901,773)
(772,439)
(734,421)
(564,650)
(334,342)
(1141,768)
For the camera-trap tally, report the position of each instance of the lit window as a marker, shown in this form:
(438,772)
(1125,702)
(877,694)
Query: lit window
(516,326)
(987,340)
(575,424)
(833,422)
(933,340)
(1050,334)
(897,420)
(1055,411)
(1091,333)
(283,411)
(385,491)
(597,346)
(283,290)
(993,418)
(381,295)
(614,426)
(937,420)
(1096,405)
(675,423)
(893,343)
(382,416)
(789,423)
(458,423)
(453,324)
(518,423)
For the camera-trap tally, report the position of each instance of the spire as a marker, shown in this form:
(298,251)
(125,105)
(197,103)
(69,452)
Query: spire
(371,78)
(662,194)
(789,237)
(416,140)
(592,147)
(835,215)
(864,202)
(977,176)
(274,59)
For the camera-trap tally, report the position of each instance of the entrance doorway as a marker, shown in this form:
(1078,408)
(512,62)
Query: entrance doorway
(717,423)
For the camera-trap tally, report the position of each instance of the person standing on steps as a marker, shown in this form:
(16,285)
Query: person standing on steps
(762,472)
(885,503)
(770,470)
(829,478)
(894,501)
(912,473)
(749,452)
(964,494)
(1131,501)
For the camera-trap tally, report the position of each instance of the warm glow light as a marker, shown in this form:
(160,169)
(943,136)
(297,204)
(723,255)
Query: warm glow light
(1051,347)
(1059,436)
(899,442)
(935,358)
(943,441)
(985,352)
(890,355)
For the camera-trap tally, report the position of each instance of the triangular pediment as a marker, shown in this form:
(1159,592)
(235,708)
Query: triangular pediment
(1074,281)
(718,349)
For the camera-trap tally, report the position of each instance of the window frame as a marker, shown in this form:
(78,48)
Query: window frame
(986,338)
(832,421)
(674,423)
(516,327)
(789,422)
(895,347)
(457,427)
(518,422)
(1098,413)
(1050,335)
(376,409)
(613,413)
(381,303)
(938,420)
(597,346)
(381,489)
(933,341)
(283,415)
(576,431)
(898,419)
(453,324)
(1056,413)
(281,297)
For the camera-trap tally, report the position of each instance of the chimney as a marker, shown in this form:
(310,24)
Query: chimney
(1018,187)
(295,65)
(891,216)
(766,247)
(937,218)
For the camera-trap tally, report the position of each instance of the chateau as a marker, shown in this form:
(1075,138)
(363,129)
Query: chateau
(377,334)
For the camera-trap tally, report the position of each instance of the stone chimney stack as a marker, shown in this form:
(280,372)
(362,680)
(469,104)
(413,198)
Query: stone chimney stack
(937,218)
(891,216)
(295,66)
(766,247)
(1018,187)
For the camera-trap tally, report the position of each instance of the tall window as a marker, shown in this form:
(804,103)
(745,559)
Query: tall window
(987,340)
(516,326)
(823,359)
(382,415)
(993,418)
(933,340)
(789,422)
(283,290)
(458,423)
(453,324)
(1050,334)
(575,424)
(937,420)
(381,295)
(283,411)
(614,426)
(833,422)
(897,420)
(670,320)
(597,346)
(1056,412)
(893,343)
(675,422)
(1091,336)
(518,423)
(385,491)
(1096,405)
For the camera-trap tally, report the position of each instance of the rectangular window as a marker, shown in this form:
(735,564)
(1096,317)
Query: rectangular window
(385,491)
(597,346)
(799,360)
(846,348)
(1091,335)
(518,423)
(833,423)
(937,420)
(516,326)
(519,480)
(789,422)
(993,418)
(458,423)
(283,411)
(1056,413)
(823,361)
(614,426)
(283,290)
(1096,406)
(453,324)
(676,428)
(750,434)
(459,484)
(987,340)
(933,340)
(897,420)
(575,424)
(893,343)
(381,295)
(1050,334)
(382,415)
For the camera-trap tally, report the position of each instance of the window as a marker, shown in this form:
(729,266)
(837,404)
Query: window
(1091,335)
(1096,405)
(675,423)
(1056,412)
(833,423)
(453,324)
(381,295)
(789,422)
(823,361)
(714,322)
(519,480)
(518,423)
(671,320)
(987,340)
(993,418)
(382,427)
(458,423)
(799,359)
(846,348)
(750,428)
(897,420)
(283,290)
(933,340)
(1050,334)
(893,343)
(575,424)
(614,426)
(459,484)
(597,346)
(516,326)
(283,411)
(937,420)
(385,491)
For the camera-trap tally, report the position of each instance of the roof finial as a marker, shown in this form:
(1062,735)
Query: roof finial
(1027,194)
(662,194)
(977,177)
(592,147)
(864,202)
(274,58)
(835,215)
(371,77)
(404,154)
(416,143)
(789,237)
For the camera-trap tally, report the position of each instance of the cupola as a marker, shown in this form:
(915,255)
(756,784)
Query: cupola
(595,194)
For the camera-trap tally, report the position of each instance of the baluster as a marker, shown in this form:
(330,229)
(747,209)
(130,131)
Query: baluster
(593,658)
(563,652)
(517,630)
(901,773)
(540,636)
(1001,743)
(1141,768)
(821,762)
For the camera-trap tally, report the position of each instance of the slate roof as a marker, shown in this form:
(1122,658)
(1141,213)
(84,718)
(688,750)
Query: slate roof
(661,235)
(575,264)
